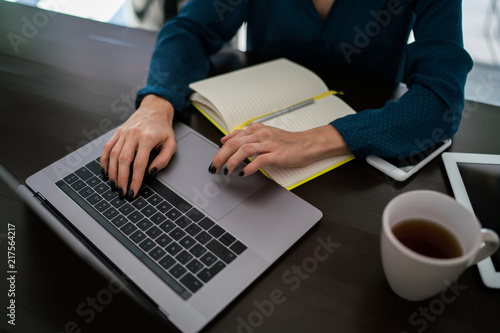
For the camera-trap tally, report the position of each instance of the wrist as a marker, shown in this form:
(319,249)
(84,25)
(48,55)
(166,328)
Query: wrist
(326,142)
(159,104)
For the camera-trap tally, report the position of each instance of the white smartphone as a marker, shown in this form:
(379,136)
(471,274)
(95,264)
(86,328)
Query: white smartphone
(403,168)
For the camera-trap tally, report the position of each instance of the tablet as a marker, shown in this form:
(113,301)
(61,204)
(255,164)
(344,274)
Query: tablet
(401,169)
(475,181)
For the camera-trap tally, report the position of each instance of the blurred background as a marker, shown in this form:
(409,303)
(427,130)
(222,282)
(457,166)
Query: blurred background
(481,25)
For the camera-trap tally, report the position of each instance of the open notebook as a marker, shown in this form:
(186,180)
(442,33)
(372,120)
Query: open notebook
(231,101)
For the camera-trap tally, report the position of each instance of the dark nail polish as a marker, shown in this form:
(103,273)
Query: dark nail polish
(212,169)
(130,195)
(103,172)
(242,173)
(120,193)
(112,185)
(153,172)
(225,171)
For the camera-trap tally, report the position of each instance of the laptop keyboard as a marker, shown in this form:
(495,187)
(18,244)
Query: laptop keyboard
(185,248)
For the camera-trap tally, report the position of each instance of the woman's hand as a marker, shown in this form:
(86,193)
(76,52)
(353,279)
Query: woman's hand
(271,145)
(150,127)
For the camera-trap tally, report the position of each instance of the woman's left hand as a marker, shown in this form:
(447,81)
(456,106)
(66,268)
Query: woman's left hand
(269,145)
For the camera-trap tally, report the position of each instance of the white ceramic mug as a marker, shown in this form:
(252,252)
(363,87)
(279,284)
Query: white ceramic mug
(414,276)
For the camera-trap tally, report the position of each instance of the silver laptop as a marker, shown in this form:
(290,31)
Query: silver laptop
(189,243)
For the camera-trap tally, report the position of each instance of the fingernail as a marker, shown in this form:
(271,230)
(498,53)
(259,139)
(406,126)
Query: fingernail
(225,171)
(103,172)
(242,173)
(153,172)
(212,169)
(112,185)
(130,194)
(120,193)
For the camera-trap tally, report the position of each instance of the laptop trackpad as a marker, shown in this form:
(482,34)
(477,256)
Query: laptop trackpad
(188,173)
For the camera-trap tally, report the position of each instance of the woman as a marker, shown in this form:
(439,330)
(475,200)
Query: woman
(363,38)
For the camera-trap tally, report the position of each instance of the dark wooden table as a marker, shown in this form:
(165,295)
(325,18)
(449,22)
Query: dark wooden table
(64,81)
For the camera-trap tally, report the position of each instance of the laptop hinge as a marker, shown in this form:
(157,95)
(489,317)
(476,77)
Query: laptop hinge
(162,310)
(40,198)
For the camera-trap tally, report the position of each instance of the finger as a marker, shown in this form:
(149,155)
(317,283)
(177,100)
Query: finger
(124,160)
(113,163)
(230,136)
(257,163)
(229,149)
(167,149)
(246,151)
(139,168)
(106,152)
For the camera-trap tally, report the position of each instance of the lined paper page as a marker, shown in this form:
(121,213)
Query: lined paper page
(254,91)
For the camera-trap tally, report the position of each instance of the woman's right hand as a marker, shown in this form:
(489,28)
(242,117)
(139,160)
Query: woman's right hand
(150,127)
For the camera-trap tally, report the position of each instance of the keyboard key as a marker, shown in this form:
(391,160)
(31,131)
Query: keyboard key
(187,242)
(149,210)
(183,222)
(163,240)
(144,224)
(94,167)
(70,178)
(173,248)
(119,221)
(110,195)
(208,259)
(195,215)
(206,223)
(208,273)
(78,185)
(102,206)
(184,257)
(110,213)
(227,239)
(154,200)
(191,282)
(157,253)
(158,218)
(173,214)
(101,188)
(203,237)
(139,203)
(154,232)
(93,199)
(197,250)
(147,245)
(83,173)
(164,207)
(128,228)
(194,266)
(216,231)
(238,247)
(167,262)
(177,271)
(117,202)
(137,236)
(193,229)
(93,181)
(177,234)
(221,251)
(135,216)
(146,192)
(85,192)
(167,226)
(126,209)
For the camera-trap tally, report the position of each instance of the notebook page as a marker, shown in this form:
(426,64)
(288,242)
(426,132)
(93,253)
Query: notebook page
(318,114)
(254,91)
